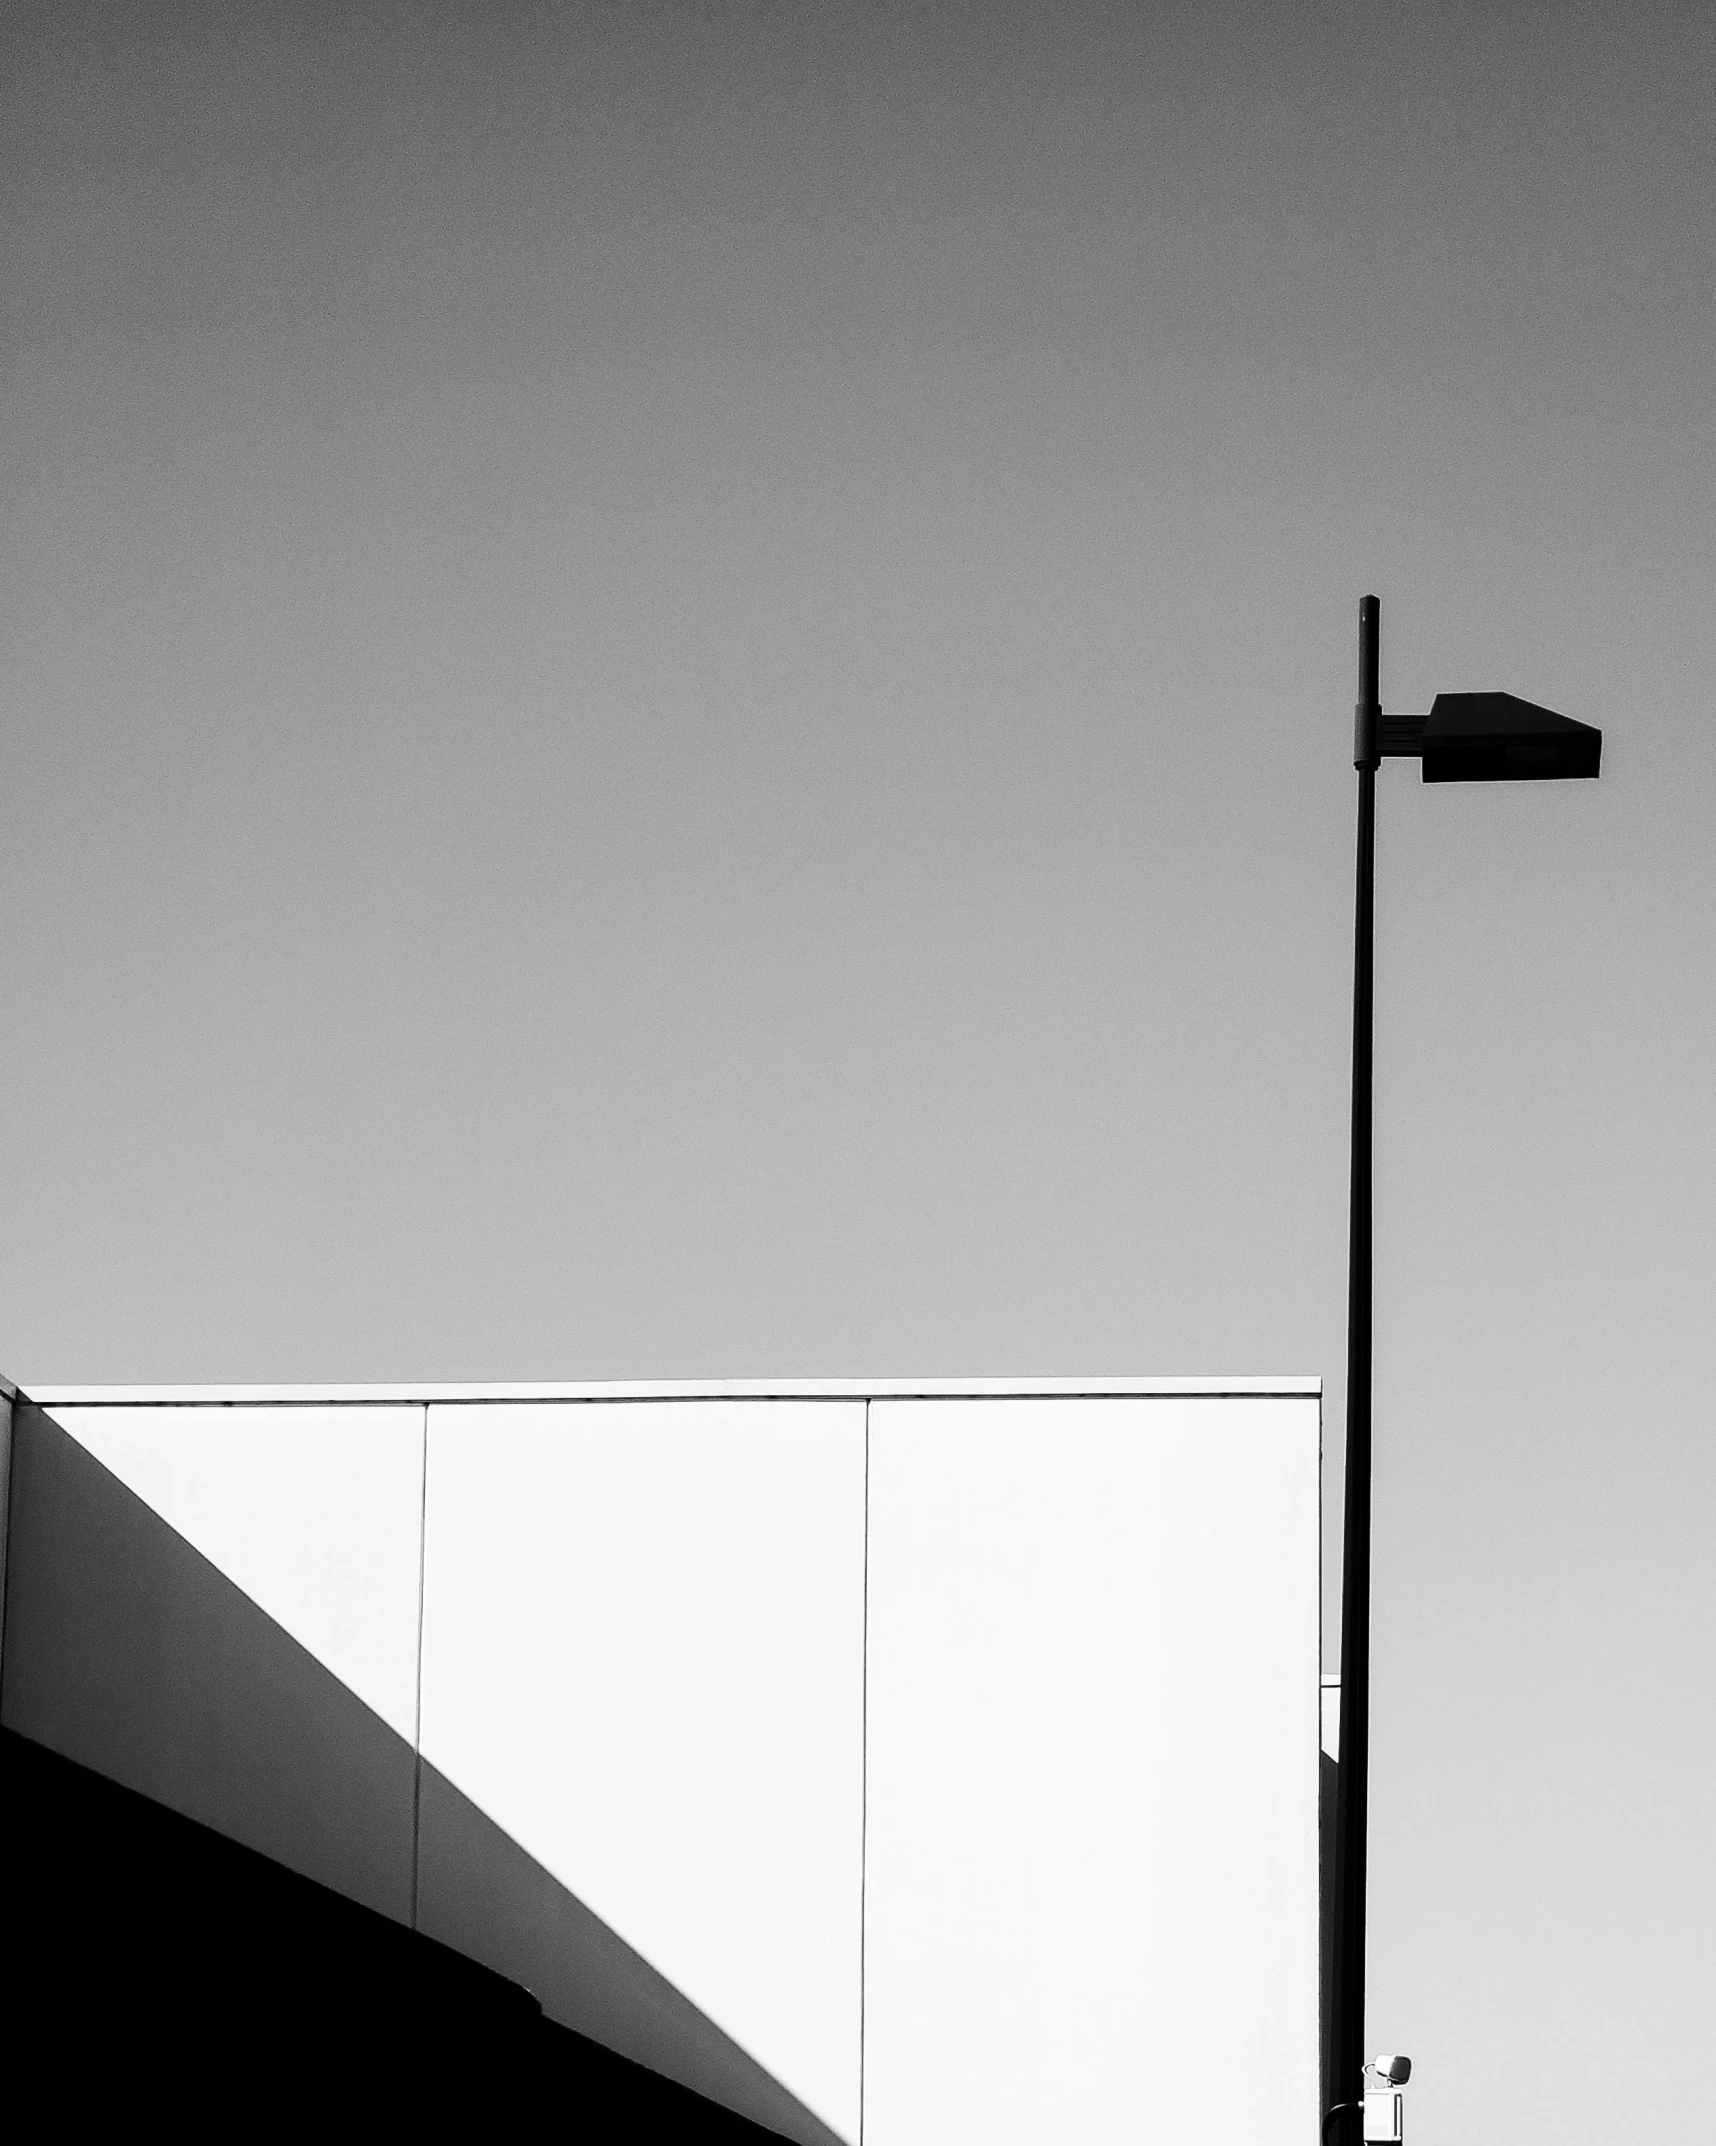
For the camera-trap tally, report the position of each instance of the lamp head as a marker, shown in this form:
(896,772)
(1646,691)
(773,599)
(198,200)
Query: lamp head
(1494,737)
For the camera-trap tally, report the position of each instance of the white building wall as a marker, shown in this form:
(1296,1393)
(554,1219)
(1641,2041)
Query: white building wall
(1092,1856)
(644,1658)
(952,1750)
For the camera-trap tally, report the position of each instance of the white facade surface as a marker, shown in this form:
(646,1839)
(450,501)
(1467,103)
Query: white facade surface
(315,1513)
(1092,1837)
(954,1750)
(643,1657)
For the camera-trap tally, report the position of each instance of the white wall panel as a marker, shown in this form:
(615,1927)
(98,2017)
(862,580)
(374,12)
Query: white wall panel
(1092,1762)
(314,1512)
(643,1659)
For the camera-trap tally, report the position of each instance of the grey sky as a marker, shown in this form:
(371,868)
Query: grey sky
(678,688)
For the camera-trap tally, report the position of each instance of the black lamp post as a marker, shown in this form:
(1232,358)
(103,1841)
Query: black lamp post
(1466,737)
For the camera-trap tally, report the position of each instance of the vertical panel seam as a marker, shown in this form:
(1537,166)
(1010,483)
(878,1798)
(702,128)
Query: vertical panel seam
(864,1786)
(417,1719)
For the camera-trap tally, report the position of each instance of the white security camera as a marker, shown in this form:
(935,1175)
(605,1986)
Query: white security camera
(1396,2070)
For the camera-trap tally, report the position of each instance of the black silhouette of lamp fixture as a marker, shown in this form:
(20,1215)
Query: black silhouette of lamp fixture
(1466,737)
(1481,737)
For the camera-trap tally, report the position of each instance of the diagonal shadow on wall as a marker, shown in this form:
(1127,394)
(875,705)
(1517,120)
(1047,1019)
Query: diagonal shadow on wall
(127,1651)
(480,1893)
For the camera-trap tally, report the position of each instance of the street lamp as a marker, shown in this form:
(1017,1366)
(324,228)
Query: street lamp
(1466,737)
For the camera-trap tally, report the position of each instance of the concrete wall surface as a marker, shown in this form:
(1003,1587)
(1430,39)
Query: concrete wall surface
(887,1763)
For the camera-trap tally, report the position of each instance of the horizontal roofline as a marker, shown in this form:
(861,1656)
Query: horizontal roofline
(975,1389)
